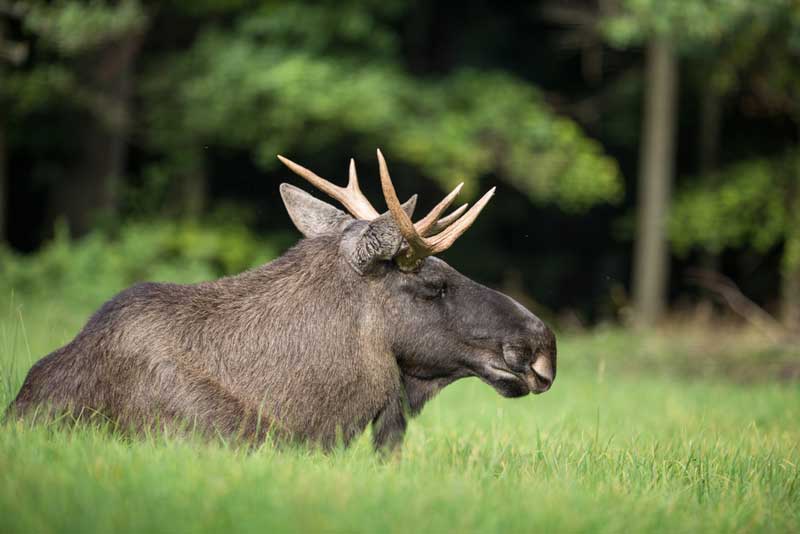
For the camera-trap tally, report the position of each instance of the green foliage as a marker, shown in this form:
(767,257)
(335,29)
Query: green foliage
(348,27)
(750,204)
(97,266)
(289,92)
(726,38)
(691,23)
(60,33)
(44,87)
(73,27)
(478,123)
(744,205)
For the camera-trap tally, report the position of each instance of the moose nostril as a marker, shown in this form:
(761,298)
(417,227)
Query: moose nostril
(543,370)
(544,381)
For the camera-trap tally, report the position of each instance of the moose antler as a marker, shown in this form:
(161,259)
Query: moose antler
(351,196)
(428,236)
(420,246)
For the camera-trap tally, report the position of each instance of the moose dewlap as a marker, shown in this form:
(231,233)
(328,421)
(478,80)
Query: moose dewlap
(356,324)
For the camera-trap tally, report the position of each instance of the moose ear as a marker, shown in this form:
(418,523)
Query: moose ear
(310,215)
(379,239)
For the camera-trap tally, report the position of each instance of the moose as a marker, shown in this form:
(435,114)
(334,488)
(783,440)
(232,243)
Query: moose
(357,324)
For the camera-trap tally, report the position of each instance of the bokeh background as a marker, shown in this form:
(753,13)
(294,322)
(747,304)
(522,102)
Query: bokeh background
(645,151)
(646,155)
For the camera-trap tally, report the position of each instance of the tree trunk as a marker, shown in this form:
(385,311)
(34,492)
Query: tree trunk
(708,151)
(790,297)
(192,192)
(90,189)
(3,155)
(710,127)
(651,267)
(3,185)
(790,268)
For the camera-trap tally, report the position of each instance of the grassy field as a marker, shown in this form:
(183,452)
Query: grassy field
(664,433)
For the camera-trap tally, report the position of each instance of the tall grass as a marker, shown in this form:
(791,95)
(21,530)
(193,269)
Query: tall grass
(617,446)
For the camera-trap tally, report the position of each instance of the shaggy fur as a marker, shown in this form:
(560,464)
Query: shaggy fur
(312,347)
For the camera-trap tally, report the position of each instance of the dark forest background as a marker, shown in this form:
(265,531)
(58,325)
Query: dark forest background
(645,151)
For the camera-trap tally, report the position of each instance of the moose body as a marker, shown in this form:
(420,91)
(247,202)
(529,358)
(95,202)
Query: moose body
(353,325)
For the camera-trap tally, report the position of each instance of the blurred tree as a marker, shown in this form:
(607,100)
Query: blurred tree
(656,164)
(755,202)
(289,75)
(3,184)
(11,54)
(221,86)
(4,47)
(750,204)
(691,28)
(716,75)
(81,62)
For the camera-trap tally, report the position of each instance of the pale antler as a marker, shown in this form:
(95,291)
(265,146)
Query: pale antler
(357,204)
(444,222)
(428,236)
(424,225)
(351,196)
(420,246)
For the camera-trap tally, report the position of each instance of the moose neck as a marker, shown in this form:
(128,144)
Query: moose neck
(307,294)
(312,315)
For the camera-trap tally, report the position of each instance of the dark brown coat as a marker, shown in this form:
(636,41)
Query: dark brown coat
(314,346)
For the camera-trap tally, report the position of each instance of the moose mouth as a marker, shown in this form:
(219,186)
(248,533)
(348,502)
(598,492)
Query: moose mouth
(508,383)
(505,373)
(514,383)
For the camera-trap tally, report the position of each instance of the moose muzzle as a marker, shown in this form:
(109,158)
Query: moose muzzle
(534,361)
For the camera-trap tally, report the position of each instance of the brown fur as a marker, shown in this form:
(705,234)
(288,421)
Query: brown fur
(307,346)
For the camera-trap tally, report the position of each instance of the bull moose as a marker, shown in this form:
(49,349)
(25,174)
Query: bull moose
(358,323)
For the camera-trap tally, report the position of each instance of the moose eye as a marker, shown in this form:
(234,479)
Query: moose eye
(441,291)
(433,292)
(429,290)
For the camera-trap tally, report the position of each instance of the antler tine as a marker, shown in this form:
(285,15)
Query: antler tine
(418,246)
(424,225)
(441,242)
(351,196)
(402,219)
(444,222)
(352,179)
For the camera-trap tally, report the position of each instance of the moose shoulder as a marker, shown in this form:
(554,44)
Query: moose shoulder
(356,324)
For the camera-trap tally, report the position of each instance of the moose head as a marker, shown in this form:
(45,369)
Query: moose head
(443,325)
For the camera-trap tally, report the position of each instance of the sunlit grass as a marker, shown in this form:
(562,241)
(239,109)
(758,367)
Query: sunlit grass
(615,446)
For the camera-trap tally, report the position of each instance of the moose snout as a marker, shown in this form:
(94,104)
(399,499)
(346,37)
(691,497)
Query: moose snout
(534,361)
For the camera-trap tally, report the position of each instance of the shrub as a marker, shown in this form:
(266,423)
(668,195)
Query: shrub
(93,268)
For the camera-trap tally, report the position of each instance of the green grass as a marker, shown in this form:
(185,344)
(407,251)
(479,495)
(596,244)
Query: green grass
(638,434)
